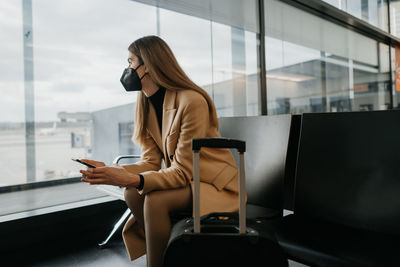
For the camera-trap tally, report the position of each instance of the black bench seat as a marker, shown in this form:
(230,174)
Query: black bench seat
(319,243)
(347,191)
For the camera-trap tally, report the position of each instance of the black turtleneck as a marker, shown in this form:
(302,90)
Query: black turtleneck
(157,100)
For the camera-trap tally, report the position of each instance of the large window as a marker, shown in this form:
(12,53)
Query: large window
(61,62)
(314,65)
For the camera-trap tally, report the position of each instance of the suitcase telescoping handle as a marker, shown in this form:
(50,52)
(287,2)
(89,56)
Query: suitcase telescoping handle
(197,144)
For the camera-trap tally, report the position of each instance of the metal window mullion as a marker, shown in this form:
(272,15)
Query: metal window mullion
(27,31)
(392,82)
(262,58)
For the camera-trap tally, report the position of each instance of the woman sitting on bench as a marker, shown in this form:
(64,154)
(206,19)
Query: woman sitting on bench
(171,110)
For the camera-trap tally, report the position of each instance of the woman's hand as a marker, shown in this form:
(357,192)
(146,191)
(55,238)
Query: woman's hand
(112,175)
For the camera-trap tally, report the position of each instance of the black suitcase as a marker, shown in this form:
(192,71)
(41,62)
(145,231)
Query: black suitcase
(216,239)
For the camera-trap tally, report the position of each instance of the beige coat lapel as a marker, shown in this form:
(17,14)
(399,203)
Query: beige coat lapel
(169,111)
(153,127)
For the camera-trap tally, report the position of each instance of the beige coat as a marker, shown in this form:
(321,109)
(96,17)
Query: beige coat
(185,116)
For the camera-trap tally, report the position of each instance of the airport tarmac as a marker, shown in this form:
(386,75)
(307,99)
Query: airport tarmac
(53,155)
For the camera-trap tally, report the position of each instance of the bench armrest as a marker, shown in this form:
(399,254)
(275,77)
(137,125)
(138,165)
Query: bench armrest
(117,159)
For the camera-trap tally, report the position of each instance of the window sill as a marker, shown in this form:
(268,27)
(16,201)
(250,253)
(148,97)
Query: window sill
(28,203)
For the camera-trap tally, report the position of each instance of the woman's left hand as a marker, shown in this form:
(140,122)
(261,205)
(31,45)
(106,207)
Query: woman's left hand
(111,175)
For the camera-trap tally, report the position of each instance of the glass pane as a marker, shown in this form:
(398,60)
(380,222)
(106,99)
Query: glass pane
(372,11)
(12,117)
(395,17)
(252,75)
(59,66)
(396,76)
(314,65)
(235,85)
(244,73)
(79,56)
(193,52)
(222,69)
(224,62)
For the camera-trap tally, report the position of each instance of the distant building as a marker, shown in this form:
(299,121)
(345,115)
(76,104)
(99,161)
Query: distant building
(76,116)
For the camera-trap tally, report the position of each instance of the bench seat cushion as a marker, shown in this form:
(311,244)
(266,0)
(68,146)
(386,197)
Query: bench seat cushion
(318,243)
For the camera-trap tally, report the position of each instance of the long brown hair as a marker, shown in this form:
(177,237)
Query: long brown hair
(166,72)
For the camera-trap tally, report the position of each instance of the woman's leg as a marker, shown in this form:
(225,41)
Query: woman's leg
(135,203)
(158,205)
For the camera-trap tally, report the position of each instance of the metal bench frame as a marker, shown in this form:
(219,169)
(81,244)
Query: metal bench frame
(126,214)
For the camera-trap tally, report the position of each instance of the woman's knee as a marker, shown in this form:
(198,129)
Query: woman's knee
(131,195)
(154,202)
(167,201)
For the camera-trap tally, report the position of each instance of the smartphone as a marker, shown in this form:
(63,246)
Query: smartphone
(84,163)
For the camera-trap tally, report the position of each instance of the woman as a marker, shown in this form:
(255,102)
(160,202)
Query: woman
(170,111)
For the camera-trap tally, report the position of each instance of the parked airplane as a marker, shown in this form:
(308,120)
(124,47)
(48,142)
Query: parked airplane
(48,131)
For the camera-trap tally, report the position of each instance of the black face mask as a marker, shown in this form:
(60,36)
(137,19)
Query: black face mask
(131,80)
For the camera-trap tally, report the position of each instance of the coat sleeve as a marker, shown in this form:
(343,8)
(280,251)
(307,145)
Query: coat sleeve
(194,124)
(150,158)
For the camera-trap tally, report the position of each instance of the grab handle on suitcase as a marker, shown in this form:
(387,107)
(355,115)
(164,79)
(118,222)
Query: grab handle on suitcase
(197,144)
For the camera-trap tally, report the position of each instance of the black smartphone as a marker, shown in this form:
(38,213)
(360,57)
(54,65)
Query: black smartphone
(84,163)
